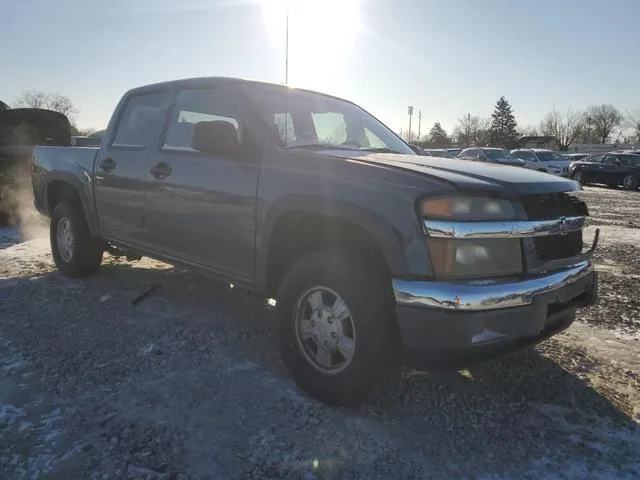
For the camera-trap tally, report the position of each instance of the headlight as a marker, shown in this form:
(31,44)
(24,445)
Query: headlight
(494,257)
(468,208)
(466,258)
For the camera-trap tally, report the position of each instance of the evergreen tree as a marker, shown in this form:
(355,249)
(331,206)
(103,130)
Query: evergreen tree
(438,136)
(503,125)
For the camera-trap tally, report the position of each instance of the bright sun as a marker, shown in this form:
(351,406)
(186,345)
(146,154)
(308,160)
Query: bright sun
(321,35)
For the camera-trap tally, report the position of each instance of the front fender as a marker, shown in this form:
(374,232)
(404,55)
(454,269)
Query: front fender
(397,247)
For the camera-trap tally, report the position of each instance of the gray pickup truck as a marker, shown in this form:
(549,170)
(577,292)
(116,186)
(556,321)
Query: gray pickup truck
(376,256)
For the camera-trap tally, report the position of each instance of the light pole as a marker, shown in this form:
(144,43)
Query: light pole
(410,115)
(419,123)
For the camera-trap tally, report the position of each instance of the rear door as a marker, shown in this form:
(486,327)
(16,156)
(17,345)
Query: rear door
(202,207)
(122,165)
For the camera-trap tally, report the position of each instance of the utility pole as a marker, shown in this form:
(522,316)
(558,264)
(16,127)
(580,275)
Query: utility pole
(419,123)
(410,115)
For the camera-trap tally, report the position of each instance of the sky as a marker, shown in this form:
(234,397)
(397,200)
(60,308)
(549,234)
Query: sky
(445,58)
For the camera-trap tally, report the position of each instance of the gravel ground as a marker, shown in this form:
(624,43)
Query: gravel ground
(188,384)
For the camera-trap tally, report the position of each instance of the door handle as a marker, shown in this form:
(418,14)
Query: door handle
(160,171)
(108,164)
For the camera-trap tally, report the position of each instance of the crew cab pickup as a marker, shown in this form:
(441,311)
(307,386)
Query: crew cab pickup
(374,255)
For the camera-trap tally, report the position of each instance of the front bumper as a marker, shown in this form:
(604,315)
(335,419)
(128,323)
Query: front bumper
(462,322)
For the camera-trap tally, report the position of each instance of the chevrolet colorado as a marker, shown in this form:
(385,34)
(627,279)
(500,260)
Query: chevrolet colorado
(375,255)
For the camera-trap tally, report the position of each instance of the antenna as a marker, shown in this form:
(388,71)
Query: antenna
(286,45)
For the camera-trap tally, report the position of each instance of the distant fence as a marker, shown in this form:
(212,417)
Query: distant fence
(602,147)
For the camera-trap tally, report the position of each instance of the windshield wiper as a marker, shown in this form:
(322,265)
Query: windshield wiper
(317,146)
(378,150)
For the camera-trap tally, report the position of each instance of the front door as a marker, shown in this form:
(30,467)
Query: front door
(202,207)
(122,165)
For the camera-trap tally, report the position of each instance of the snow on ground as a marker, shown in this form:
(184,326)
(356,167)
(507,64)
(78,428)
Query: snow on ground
(189,384)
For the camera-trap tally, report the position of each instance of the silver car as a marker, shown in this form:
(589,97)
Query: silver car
(491,155)
(544,160)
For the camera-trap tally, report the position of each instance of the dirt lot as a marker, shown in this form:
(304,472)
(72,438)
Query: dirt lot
(189,384)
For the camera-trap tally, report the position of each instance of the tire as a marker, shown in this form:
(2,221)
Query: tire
(81,256)
(374,336)
(630,182)
(578,177)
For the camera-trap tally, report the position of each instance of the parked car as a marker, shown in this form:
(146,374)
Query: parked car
(574,157)
(373,253)
(544,160)
(491,155)
(437,152)
(454,151)
(20,130)
(612,169)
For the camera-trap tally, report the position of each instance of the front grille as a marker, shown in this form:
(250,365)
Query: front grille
(558,246)
(550,207)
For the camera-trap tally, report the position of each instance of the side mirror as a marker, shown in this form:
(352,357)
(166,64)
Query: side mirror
(217,138)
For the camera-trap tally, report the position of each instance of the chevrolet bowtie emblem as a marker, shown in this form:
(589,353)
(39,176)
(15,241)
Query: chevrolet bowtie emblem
(564,226)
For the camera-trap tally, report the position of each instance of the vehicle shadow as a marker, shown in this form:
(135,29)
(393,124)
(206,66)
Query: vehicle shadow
(539,408)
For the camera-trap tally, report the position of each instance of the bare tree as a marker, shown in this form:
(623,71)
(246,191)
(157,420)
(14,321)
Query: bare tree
(529,131)
(483,134)
(631,125)
(604,119)
(466,130)
(50,101)
(566,128)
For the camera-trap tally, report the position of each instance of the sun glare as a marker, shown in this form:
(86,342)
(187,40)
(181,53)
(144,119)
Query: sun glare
(322,34)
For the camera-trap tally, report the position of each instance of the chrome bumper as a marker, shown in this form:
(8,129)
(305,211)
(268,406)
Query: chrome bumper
(478,295)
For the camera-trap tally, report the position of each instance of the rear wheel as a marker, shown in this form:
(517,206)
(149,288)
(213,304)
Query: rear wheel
(75,252)
(337,327)
(630,182)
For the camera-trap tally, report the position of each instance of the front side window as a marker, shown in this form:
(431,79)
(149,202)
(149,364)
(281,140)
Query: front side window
(525,155)
(193,106)
(499,154)
(301,119)
(594,159)
(141,119)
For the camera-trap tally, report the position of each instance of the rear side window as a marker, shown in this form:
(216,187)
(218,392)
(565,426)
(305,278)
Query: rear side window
(193,106)
(141,120)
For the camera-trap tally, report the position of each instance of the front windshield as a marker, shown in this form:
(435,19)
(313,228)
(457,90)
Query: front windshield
(630,160)
(551,157)
(499,155)
(307,119)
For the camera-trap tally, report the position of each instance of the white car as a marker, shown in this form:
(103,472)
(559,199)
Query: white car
(544,160)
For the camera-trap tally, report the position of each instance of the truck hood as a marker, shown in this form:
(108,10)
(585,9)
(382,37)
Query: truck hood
(467,174)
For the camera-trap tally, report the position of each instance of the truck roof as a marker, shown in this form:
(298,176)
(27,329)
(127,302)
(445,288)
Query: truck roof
(200,81)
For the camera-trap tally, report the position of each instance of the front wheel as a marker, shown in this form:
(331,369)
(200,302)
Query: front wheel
(75,252)
(578,177)
(337,327)
(630,182)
